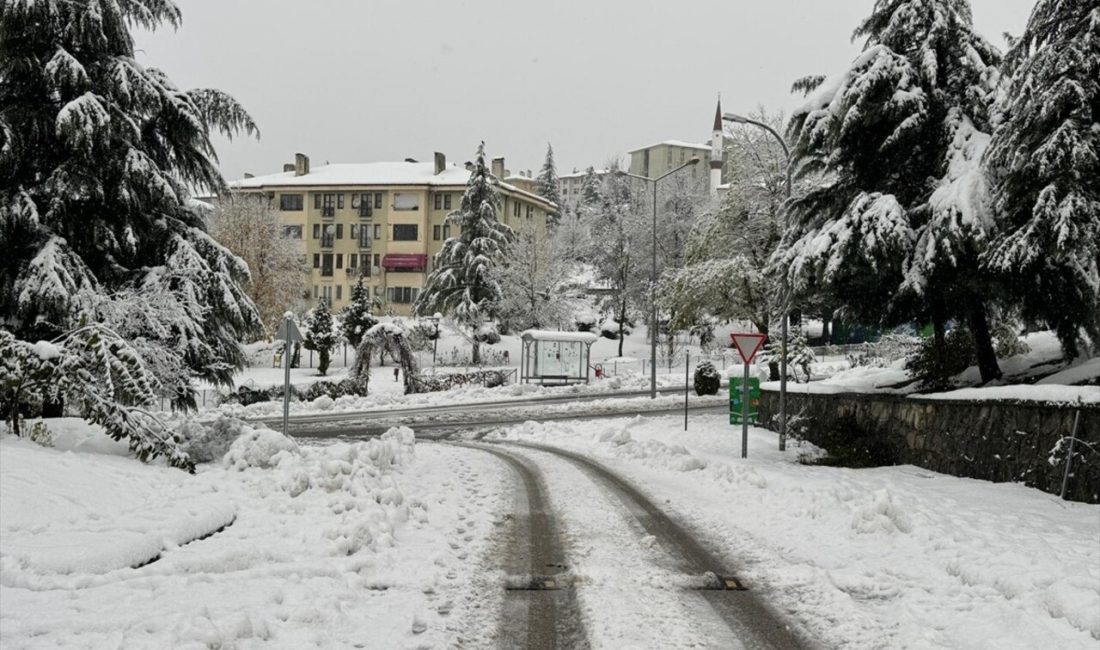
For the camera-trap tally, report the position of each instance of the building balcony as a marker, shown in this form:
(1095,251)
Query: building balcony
(328,211)
(327,241)
(326,271)
(365,212)
(364,243)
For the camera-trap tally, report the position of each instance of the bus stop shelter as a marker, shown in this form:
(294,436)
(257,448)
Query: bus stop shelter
(556,357)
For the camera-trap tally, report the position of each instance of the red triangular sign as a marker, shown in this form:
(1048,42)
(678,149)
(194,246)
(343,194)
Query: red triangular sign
(748,344)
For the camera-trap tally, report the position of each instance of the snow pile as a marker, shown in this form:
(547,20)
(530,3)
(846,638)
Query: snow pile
(260,447)
(92,513)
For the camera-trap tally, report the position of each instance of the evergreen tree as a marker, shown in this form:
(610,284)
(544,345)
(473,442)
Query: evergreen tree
(464,282)
(547,184)
(357,315)
(896,226)
(320,335)
(590,189)
(1044,164)
(97,153)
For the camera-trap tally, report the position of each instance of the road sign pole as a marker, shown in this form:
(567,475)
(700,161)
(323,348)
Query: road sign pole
(686,383)
(286,379)
(745,414)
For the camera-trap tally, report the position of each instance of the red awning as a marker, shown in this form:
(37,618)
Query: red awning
(405,261)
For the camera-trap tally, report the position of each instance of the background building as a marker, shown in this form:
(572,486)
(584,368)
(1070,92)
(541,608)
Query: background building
(384,221)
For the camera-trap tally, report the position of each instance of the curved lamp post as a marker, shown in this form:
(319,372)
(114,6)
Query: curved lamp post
(740,119)
(653,274)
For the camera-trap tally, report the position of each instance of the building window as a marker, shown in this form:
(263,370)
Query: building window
(438,201)
(315,291)
(292,232)
(290,202)
(406,201)
(339,201)
(377,259)
(339,231)
(405,232)
(377,231)
(530,211)
(446,231)
(326,265)
(326,293)
(316,260)
(435,232)
(401,295)
(339,260)
(515,208)
(353,261)
(362,203)
(339,291)
(316,201)
(328,207)
(446,201)
(316,231)
(353,231)
(377,200)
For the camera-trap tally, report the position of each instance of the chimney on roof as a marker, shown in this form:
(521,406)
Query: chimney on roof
(440,162)
(288,167)
(411,160)
(301,164)
(468,165)
(249,175)
(498,167)
(529,174)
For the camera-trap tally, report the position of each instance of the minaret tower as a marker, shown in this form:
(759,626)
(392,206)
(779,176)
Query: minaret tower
(716,150)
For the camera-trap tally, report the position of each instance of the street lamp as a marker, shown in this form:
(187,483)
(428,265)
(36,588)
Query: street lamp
(741,119)
(653,274)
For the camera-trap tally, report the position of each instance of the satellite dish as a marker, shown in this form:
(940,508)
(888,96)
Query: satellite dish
(330,229)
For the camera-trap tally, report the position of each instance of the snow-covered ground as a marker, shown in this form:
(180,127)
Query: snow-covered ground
(874,558)
(389,543)
(375,544)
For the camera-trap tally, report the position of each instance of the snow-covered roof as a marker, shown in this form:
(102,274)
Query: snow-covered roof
(674,143)
(554,335)
(376,173)
(582,174)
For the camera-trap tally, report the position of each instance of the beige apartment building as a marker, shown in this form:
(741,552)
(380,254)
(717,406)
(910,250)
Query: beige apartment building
(571,187)
(384,221)
(657,159)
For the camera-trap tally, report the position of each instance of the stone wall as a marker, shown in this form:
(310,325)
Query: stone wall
(992,440)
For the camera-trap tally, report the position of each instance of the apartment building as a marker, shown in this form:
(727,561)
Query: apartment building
(383,221)
(572,185)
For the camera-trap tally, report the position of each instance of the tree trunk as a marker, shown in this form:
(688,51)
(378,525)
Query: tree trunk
(826,319)
(477,350)
(983,342)
(621,337)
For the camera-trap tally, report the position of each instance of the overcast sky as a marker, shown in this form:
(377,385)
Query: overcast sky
(361,81)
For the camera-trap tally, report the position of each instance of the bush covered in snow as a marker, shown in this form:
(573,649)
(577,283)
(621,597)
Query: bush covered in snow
(487,334)
(205,444)
(262,448)
(934,368)
(707,380)
(609,329)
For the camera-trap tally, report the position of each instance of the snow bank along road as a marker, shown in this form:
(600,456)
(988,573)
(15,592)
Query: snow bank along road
(616,566)
(298,420)
(440,421)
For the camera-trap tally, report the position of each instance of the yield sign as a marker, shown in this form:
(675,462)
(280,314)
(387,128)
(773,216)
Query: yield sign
(288,332)
(748,344)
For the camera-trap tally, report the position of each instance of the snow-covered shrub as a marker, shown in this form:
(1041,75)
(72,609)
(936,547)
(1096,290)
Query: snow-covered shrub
(205,444)
(334,389)
(707,380)
(585,319)
(609,329)
(41,434)
(1006,342)
(799,354)
(98,372)
(487,334)
(262,448)
(935,368)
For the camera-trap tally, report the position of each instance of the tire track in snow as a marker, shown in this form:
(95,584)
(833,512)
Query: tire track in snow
(753,622)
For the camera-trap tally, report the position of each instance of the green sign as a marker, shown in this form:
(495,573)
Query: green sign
(736,389)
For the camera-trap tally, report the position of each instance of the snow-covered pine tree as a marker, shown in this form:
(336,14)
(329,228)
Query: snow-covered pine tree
(1044,164)
(591,196)
(97,153)
(357,315)
(320,335)
(464,282)
(547,184)
(896,226)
